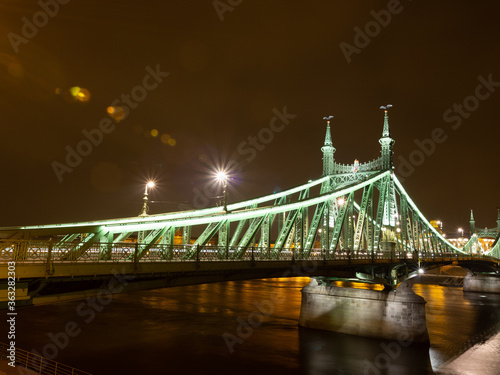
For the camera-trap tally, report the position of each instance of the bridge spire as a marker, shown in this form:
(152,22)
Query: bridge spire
(328,150)
(498,220)
(386,141)
(472,223)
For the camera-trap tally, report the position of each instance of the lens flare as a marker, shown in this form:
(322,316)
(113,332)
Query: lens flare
(164,138)
(116,113)
(79,94)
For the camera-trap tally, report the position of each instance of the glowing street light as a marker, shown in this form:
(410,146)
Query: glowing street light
(341,201)
(440,225)
(144,211)
(222,177)
(461,230)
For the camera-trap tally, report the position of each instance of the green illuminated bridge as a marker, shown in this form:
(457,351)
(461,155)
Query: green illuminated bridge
(356,221)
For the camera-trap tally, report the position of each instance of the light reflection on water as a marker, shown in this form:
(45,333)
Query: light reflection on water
(181,330)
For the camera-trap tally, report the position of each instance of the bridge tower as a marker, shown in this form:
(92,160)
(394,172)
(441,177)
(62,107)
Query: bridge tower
(328,151)
(386,142)
(388,242)
(329,213)
(472,223)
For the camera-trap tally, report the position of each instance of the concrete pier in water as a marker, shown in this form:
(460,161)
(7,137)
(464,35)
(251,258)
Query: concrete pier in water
(482,283)
(398,315)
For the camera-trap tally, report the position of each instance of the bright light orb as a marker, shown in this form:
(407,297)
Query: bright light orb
(420,270)
(341,201)
(151,184)
(221,176)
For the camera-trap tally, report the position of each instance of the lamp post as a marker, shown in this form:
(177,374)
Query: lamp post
(144,211)
(461,230)
(222,178)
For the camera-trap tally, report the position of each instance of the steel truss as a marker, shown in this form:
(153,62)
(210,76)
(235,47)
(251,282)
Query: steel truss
(372,217)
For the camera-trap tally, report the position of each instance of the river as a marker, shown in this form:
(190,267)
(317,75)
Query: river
(245,327)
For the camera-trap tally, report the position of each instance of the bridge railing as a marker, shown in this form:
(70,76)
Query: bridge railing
(37,363)
(50,252)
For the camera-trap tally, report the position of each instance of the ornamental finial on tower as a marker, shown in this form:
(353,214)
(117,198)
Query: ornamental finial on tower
(328,149)
(386,132)
(472,223)
(328,136)
(386,141)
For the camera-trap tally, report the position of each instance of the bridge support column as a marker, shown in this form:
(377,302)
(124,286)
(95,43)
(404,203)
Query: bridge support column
(482,283)
(398,315)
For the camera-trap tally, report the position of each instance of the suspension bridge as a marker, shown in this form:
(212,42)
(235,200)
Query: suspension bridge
(355,221)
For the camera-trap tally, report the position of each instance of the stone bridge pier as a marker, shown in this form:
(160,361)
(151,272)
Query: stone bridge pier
(482,283)
(393,315)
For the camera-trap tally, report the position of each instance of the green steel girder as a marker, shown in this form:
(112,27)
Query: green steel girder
(121,237)
(285,231)
(265,231)
(237,233)
(151,239)
(297,234)
(186,235)
(380,213)
(422,218)
(168,237)
(325,227)
(247,237)
(84,245)
(300,224)
(107,247)
(349,231)
(203,239)
(367,197)
(416,234)
(369,227)
(67,239)
(339,223)
(223,240)
(314,228)
(403,222)
(167,241)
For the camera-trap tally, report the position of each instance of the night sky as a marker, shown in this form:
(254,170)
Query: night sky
(229,71)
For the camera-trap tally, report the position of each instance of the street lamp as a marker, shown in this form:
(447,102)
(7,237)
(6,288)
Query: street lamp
(144,211)
(461,230)
(222,178)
